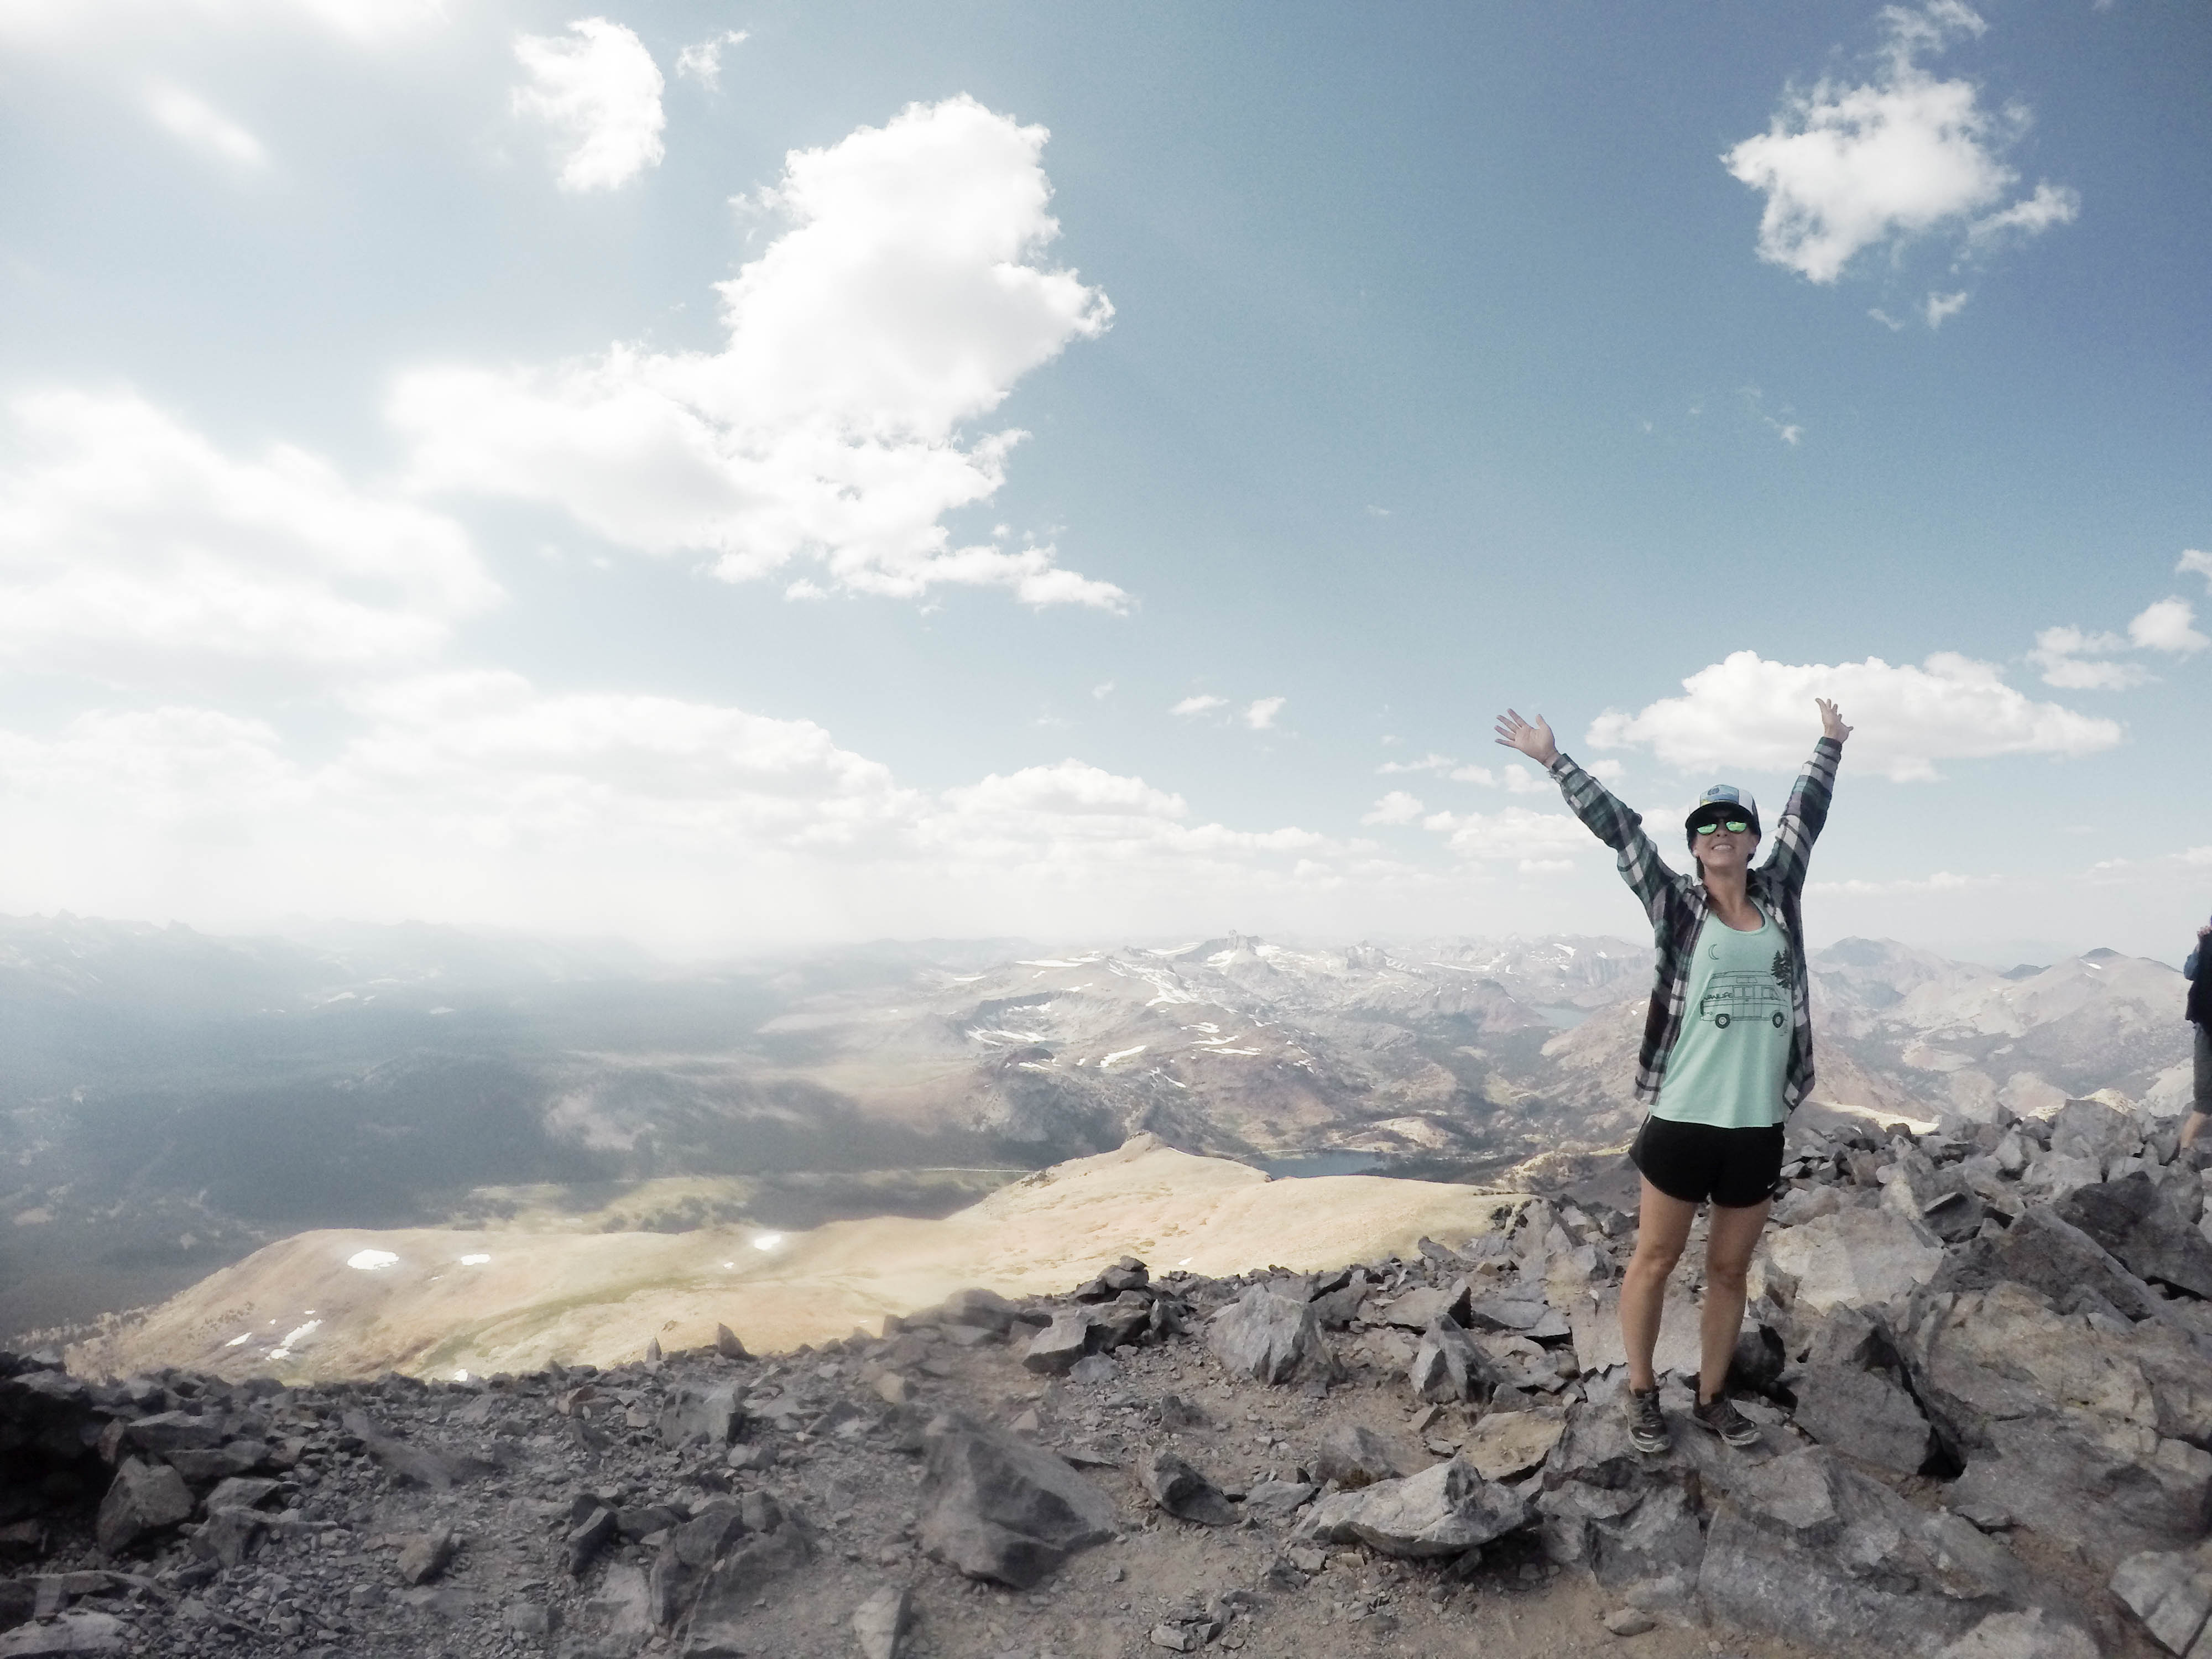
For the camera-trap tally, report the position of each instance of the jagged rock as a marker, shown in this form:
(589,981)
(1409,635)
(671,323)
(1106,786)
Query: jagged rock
(1598,1341)
(2108,1492)
(1184,1492)
(1445,1510)
(694,1415)
(1126,1318)
(1060,1344)
(2131,1218)
(1337,1300)
(2170,1591)
(424,1555)
(1806,1203)
(727,1346)
(167,1431)
(1354,1456)
(1448,1365)
(1629,1621)
(686,1554)
(1757,1362)
(977,1308)
(79,1630)
(593,1530)
(2052,1255)
(2005,1354)
(228,1536)
(1955,1217)
(879,1623)
(1505,1444)
(995,1508)
(1416,1309)
(240,1492)
(653,1355)
(1268,1336)
(1858,1257)
(1527,1317)
(439,1471)
(1278,1499)
(218,1462)
(1864,1414)
(144,1499)
(2091,1130)
(1805,1547)
(2054,1175)
(723,1617)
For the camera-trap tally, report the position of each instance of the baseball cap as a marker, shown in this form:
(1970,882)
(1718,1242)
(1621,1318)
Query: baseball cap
(1723,795)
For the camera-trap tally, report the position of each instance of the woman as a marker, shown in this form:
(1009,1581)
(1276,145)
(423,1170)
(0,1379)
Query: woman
(1727,1048)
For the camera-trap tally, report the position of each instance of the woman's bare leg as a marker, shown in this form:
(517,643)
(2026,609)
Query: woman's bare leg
(1662,1228)
(1731,1234)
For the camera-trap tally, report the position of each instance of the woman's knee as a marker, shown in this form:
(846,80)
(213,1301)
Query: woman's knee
(1653,1260)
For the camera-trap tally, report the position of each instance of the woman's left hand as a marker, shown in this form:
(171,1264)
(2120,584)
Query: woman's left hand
(1831,723)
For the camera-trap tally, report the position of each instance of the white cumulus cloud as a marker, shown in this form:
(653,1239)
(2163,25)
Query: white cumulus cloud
(599,90)
(134,550)
(2195,560)
(1261,712)
(2167,625)
(2068,657)
(1848,167)
(904,301)
(1747,712)
(1200,704)
(1396,807)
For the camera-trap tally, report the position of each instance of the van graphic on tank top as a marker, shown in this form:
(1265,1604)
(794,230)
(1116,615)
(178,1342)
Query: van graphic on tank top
(1730,996)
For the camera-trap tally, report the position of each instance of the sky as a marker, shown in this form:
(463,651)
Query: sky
(739,474)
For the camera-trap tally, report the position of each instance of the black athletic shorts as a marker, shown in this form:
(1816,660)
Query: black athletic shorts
(1694,1162)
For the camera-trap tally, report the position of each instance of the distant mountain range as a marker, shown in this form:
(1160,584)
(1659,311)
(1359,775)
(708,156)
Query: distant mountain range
(169,1100)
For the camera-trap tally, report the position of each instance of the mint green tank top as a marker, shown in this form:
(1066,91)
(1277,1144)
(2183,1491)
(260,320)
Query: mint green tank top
(1728,1065)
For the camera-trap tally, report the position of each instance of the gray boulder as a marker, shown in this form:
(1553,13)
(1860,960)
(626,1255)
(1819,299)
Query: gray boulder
(1055,1349)
(1808,1548)
(724,1619)
(1856,1257)
(1864,1414)
(1353,1455)
(2034,1634)
(2049,1254)
(2092,1130)
(1505,1444)
(2132,1219)
(994,1507)
(2109,1494)
(694,1415)
(144,1499)
(1269,1336)
(1184,1492)
(1445,1510)
(2170,1591)
(879,1624)
(1448,1365)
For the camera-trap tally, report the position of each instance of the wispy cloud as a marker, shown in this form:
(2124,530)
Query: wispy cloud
(188,116)
(702,61)
(1199,704)
(1261,712)
(1396,807)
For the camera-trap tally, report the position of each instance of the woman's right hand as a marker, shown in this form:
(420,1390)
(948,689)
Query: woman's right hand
(1534,741)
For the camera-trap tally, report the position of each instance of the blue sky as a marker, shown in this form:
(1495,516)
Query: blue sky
(487,463)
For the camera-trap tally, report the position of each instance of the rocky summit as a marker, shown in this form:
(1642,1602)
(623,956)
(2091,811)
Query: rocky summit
(1978,1364)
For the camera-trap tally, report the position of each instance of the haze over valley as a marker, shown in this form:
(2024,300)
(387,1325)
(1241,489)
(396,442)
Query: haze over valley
(174,1100)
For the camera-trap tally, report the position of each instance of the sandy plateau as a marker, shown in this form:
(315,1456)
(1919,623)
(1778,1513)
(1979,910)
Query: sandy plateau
(438,1302)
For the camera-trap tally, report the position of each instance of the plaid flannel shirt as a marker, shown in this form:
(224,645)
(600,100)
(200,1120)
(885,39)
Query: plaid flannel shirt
(1676,904)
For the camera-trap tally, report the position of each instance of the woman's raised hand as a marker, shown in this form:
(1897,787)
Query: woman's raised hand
(1831,723)
(1534,741)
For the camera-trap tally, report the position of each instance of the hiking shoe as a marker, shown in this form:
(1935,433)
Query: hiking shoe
(1647,1424)
(1720,1415)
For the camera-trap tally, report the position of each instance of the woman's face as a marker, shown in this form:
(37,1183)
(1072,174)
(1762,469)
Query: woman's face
(1727,851)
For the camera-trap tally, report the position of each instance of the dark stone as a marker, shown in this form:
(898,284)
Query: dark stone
(2047,1254)
(422,1466)
(1055,1349)
(1353,1455)
(727,1346)
(1450,1365)
(977,1308)
(2132,1220)
(1448,1510)
(1268,1336)
(144,1499)
(996,1507)
(693,1415)
(1184,1492)
(2062,1479)
(423,1556)
(1864,1414)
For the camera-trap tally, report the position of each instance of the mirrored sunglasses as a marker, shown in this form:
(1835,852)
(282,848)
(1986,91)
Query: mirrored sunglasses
(1733,826)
